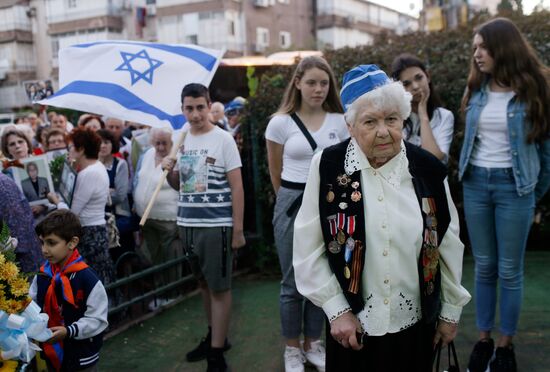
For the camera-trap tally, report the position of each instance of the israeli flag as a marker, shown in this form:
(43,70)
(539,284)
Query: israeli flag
(131,80)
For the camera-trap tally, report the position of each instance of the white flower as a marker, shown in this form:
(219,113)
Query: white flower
(11,243)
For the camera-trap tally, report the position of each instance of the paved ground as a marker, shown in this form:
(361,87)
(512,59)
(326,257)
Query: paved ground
(160,343)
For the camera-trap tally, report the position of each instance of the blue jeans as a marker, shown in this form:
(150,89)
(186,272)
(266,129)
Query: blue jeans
(498,223)
(293,306)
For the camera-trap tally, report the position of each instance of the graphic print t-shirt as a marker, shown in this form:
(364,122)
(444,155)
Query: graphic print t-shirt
(205,195)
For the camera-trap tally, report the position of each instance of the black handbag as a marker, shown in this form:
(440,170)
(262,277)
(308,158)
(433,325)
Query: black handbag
(453,363)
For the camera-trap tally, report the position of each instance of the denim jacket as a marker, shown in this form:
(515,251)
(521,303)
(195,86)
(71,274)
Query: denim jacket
(530,161)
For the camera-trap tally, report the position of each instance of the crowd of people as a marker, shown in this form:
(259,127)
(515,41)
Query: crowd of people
(365,228)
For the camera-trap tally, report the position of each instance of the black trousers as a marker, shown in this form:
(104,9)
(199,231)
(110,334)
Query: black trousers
(408,350)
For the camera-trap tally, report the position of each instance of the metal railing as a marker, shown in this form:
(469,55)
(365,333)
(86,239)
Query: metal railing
(114,289)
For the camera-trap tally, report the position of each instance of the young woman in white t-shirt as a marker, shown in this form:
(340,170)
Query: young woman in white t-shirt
(313,96)
(429,126)
(505,170)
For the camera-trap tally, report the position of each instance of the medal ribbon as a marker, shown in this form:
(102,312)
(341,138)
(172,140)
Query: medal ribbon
(351,225)
(356,268)
(431,202)
(332,224)
(341,221)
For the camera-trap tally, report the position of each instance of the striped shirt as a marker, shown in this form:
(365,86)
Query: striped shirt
(205,195)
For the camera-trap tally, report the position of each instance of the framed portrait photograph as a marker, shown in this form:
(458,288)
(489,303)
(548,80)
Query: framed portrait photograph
(34,179)
(38,89)
(67,183)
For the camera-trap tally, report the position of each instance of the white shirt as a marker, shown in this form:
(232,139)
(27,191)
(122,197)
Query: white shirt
(205,198)
(146,180)
(492,146)
(91,194)
(297,151)
(393,225)
(442,125)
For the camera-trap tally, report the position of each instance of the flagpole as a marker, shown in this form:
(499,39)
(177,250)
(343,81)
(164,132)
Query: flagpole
(172,155)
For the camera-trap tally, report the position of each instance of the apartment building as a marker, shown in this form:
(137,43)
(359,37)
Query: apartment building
(242,27)
(17,58)
(341,23)
(33,31)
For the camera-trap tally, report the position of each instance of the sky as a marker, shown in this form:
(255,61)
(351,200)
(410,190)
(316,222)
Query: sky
(406,5)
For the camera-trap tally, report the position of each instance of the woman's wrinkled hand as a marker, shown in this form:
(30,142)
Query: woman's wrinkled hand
(344,329)
(446,332)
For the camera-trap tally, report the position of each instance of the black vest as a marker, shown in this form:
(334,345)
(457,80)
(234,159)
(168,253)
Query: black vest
(428,174)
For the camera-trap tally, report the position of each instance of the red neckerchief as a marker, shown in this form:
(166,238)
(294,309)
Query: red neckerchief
(59,276)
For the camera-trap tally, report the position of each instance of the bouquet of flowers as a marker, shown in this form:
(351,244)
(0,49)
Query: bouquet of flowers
(20,317)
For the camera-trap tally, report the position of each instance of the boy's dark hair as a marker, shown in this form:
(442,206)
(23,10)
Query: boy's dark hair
(62,223)
(195,90)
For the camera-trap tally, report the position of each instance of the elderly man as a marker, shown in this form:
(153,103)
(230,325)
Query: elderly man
(60,121)
(116,127)
(217,115)
(160,232)
(376,239)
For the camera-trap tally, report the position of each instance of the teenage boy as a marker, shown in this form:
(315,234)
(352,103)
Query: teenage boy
(210,216)
(72,295)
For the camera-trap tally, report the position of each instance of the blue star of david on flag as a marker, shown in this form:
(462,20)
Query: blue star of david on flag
(136,75)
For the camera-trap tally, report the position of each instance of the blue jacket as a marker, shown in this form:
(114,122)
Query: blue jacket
(530,161)
(85,323)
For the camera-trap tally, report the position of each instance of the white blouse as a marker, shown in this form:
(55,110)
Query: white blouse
(393,225)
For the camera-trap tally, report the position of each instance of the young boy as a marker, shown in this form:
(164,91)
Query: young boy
(71,294)
(210,216)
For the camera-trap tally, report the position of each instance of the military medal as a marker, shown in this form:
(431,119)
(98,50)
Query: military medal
(342,205)
(430,288)
(341,237)
(333,246)
(347,273)
(343,180)
(350,243)
(330,194)
(355,195)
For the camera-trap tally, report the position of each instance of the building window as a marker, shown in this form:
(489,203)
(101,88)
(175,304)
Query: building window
(55,46)
(150,2)
(71,3)
(262,36)
(284,39)
(192,39)
(231,28)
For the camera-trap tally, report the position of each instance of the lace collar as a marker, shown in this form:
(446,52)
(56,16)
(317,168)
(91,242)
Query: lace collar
(392,171)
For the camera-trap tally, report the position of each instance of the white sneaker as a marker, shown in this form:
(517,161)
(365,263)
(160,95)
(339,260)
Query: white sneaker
(294,359)
(316,355)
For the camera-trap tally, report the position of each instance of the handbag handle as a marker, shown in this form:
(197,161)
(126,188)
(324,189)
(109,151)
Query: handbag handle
(450,349)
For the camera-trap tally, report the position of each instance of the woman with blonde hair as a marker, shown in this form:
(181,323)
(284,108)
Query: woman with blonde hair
(505,170)
(308,120)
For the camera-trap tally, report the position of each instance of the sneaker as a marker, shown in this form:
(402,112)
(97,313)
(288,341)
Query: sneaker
(481,355)
(216,361)
(316,355)
(294,359)
(505,360)
(200,352)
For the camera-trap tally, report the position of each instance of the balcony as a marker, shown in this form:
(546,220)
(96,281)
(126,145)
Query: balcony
(72,15)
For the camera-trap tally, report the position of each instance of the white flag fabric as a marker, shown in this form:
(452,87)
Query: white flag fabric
(131,80)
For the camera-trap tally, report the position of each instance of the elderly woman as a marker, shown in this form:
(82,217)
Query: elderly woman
(376,240)
(160,230)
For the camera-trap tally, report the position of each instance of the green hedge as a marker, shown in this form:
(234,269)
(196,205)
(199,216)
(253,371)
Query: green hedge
(447,55)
